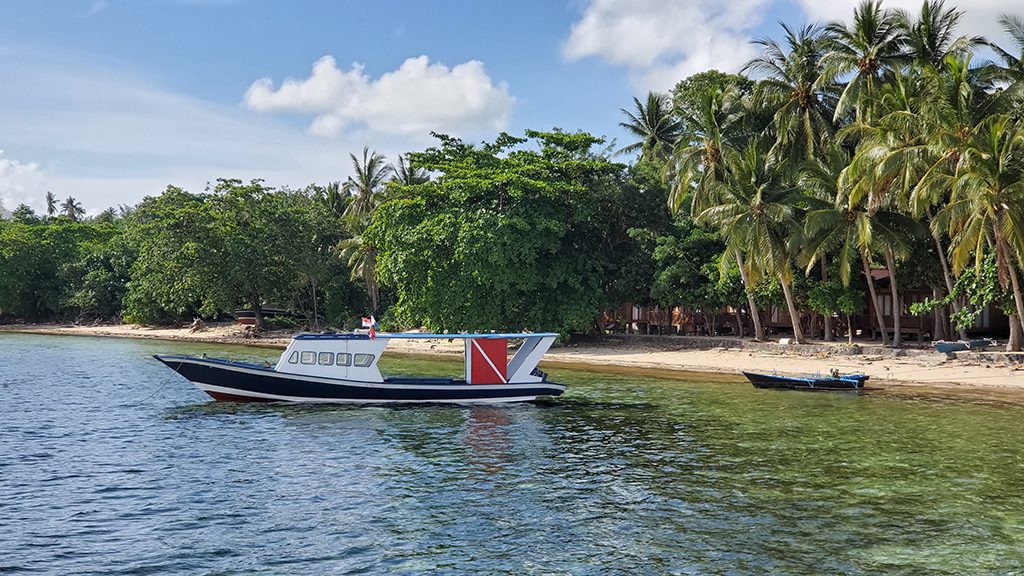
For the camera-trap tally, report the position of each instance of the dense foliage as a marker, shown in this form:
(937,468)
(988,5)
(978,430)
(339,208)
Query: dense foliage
(507,236)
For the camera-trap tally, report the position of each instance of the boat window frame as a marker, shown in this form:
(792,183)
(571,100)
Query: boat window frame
(325,358)
(363,360)
(343,359)
(293,358)
(310,354)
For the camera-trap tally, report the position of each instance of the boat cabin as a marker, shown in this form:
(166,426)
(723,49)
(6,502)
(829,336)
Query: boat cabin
(355,356)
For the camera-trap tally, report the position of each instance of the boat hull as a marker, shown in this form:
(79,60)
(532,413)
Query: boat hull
(846,383)
(243,382)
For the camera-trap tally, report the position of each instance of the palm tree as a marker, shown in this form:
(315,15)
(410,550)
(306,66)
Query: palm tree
(367,185)
(1011,72)
(51,204)
(333,198)
(362,261)
(716,128)
(798,90)
(868,48)
(715,123)
(654,124)
(848,230)
(929,37)
(903,156)
(408,175)
(1013,64)
(72,208)
(367,188)
(755,212)
(986,207)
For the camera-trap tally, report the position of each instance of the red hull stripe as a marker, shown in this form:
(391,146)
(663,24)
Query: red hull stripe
(236,397)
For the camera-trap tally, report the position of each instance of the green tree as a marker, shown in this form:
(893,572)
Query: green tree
(986,207)
(867,49)
(405,173)
(797,90)
(756,212)
(654,126)
(25,214)
(259,234)
(506,236)
(51,204)
(929,37)
(718,123)
(175,275)
(368,187)
(72,209)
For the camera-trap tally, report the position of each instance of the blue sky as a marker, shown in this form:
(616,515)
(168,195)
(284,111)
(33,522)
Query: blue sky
(112,100)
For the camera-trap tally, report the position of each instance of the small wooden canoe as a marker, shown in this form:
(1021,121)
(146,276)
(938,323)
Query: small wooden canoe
(840,383)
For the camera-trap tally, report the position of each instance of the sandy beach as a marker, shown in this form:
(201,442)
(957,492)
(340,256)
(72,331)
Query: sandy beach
(992,371)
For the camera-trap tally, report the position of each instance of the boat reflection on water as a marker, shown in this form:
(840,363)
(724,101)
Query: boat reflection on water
(486,434)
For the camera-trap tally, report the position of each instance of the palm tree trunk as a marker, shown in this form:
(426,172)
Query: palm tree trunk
(945,273)
(754,315)
(938,326)
(829,337)
(1016,293)
(369,271)
(794,317)
(874,296)
(316,315)
(1011,269)
(849,330)
(1014,343)
(739,322)
(897,308)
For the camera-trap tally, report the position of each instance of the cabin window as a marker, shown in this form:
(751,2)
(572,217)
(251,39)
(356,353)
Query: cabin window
(363,360)
(344,359)
(308,358)
(325,359)
(294,358)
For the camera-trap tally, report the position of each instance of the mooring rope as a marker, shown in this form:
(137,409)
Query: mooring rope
(161,386)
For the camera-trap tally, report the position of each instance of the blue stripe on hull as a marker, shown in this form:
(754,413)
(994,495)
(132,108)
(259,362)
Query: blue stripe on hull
(247,378)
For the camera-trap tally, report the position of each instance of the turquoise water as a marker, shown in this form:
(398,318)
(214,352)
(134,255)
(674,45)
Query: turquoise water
(112,464)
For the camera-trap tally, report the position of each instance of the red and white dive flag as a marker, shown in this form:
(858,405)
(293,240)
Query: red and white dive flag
(370,323)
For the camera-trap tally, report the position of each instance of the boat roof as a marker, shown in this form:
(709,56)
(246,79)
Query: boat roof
(423,336)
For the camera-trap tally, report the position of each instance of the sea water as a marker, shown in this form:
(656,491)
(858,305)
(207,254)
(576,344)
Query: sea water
(112,464)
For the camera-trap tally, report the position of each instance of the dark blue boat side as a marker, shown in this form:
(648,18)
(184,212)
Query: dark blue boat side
(842,382)
(239,381)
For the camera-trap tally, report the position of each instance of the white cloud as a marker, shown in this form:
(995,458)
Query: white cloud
(418,97)
(109,137)
(663,42)
(20,183)
(980,16)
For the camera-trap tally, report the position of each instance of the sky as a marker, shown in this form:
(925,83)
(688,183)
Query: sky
(113,100)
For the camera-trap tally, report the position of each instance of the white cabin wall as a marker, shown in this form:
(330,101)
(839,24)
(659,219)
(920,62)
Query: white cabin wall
(369,373)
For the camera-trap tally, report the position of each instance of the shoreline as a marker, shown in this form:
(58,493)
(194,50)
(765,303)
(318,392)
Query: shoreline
(676,356)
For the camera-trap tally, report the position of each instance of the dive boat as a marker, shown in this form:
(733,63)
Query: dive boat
(342,368)
(834,381)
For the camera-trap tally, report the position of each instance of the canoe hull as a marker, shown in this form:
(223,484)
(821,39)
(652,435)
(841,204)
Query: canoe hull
(773,381)
(243,382)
